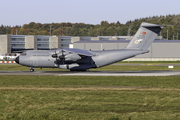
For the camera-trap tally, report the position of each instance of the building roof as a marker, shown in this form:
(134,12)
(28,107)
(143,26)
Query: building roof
(122,41)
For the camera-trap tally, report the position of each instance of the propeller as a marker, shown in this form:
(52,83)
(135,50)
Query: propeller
(62,57)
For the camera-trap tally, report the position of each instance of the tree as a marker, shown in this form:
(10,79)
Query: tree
(31,25)
(104,23)
(8,30)
(118,23)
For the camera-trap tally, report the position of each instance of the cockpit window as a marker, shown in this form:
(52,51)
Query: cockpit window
(23,54)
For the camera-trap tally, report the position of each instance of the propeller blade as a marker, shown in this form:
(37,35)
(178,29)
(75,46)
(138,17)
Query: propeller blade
(55,55)
(62,57)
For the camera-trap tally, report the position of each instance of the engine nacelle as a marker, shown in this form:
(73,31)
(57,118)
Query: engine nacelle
(72,57)
(68,66)
(75,66)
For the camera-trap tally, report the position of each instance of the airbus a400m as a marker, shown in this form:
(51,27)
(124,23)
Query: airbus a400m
(82,60)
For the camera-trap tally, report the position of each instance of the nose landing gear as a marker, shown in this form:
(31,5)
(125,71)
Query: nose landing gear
(31,69)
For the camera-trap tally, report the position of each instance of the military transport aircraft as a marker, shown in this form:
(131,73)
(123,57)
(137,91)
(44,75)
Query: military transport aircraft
(82,60)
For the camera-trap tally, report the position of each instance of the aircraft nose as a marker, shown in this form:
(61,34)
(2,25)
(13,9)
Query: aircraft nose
(17,60)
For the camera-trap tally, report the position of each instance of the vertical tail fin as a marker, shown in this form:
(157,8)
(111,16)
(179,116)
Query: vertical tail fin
(144,36)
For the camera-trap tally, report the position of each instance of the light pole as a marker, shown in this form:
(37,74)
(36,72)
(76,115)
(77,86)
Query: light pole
(16,31)
(160,35)
(177,36)
(50,38)
(167,34)
(50,29)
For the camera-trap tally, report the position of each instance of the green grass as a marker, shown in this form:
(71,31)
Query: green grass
(89,97)
(73,97)
(89,104)
(16,67)
(83,81)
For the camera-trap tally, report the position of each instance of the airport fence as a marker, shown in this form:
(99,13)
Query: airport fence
(4,62)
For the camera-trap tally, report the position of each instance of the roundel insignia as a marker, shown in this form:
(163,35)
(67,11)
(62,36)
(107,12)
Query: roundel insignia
(138,41)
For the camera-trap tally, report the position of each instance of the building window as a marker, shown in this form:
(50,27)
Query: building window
(42,39)
(18,39)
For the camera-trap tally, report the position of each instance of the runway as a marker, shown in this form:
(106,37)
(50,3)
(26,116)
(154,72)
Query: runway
(94,73)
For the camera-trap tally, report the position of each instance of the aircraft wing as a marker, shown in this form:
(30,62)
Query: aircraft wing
(79,51)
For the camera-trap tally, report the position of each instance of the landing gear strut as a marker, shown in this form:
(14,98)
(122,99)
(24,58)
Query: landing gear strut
(31,69)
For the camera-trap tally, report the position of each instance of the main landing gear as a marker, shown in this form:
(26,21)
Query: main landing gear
(31,69)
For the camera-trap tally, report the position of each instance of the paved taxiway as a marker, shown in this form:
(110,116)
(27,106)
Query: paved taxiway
(94,73)
(147,64)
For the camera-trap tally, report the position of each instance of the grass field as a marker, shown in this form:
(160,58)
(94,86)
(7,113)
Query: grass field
(78,97)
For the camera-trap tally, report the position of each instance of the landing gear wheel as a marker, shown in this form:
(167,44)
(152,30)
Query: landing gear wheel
(32,69)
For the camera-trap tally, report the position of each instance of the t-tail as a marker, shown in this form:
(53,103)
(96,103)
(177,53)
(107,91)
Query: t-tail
(144,36)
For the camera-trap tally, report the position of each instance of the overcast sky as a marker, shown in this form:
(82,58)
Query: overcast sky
(19,12)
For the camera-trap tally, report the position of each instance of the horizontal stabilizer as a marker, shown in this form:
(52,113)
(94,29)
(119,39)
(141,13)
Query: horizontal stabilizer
(153,25)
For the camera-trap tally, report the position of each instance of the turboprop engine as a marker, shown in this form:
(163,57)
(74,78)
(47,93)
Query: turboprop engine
(66,56)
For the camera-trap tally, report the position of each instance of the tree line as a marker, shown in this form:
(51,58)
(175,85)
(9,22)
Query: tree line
(102,29)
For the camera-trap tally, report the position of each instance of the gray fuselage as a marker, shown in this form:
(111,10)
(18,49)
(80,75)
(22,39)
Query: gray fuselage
(44,59)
